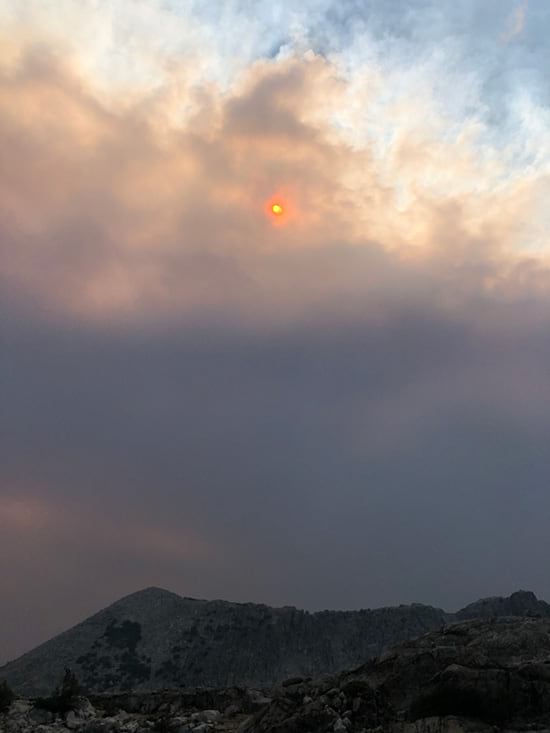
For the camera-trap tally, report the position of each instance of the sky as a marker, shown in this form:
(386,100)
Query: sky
(345,405)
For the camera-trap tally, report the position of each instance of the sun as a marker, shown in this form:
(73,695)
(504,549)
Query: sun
(278,209)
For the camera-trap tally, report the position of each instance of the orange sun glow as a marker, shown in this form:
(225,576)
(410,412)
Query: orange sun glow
(277,209)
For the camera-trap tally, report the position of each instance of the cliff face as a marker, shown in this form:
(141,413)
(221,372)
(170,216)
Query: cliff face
(155,639)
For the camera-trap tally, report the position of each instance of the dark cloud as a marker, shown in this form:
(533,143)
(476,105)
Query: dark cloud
(343,465)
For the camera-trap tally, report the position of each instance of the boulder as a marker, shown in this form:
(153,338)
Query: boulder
(39,716)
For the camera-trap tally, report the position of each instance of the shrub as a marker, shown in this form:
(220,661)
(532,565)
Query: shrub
(70,686)
(162,725)
(6,697)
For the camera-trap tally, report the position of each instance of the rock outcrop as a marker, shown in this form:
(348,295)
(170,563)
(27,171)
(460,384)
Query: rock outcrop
(521,603)
(155,639)
(482,676)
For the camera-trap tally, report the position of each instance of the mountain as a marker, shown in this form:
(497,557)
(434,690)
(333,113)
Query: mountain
(476,676)
(155,639)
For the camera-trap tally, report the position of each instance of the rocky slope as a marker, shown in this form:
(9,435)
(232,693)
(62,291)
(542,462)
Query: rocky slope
(155,639)
(469,677)
(482,675)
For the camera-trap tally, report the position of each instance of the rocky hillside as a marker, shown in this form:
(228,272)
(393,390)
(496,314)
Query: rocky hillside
(155,639)
(469,677)
(482,675)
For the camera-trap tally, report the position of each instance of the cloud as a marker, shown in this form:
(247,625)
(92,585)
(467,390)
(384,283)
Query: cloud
(110,211)
(196,398)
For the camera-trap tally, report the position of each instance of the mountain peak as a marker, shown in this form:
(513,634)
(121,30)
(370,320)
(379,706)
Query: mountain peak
(525,595)
(151,592)
(520,603)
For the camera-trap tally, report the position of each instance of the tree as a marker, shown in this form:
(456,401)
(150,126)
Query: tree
(6,696)
(65,696)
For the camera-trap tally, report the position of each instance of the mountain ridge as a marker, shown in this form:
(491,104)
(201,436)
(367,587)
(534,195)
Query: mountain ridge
(154,639)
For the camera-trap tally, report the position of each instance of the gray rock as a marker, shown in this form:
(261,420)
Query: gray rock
(20,707)
(210,716)
(108,725)
(38,716)
(84,708)
(130,726)
(72,721)
(180,725)
(232,710)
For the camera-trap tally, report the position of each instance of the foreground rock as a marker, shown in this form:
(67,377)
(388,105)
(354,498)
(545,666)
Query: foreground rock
(154,639)
(177,711)
(473,676)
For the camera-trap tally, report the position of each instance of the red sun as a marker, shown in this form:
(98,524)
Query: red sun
(279,209)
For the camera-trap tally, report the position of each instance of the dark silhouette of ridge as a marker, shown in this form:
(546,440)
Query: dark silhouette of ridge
(155,639)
